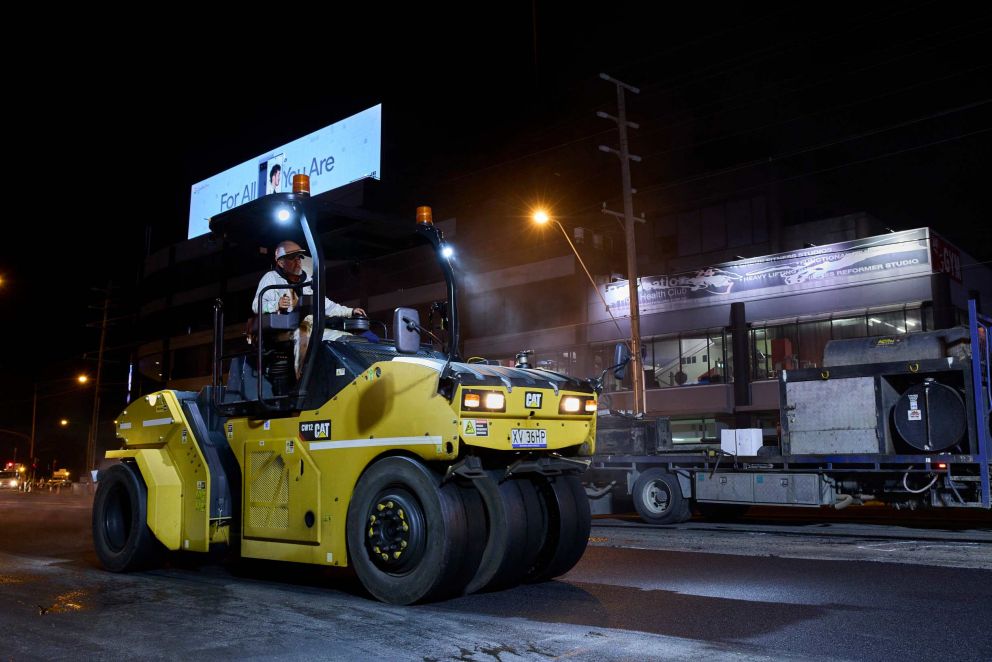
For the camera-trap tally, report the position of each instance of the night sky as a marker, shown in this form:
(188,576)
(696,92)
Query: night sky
(877,107)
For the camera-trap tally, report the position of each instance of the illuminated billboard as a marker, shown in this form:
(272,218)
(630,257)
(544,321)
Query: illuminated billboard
(333,156)
(885,257)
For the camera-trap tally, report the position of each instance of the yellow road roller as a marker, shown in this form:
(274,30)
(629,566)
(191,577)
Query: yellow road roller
(430,476)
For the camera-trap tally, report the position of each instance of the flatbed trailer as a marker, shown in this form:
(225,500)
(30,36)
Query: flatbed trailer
(911,433)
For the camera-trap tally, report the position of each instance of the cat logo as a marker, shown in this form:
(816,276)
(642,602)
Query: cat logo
(532,399)
(315,430)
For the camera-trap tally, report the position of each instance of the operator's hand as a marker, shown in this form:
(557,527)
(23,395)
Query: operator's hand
(284,303)
(358,311)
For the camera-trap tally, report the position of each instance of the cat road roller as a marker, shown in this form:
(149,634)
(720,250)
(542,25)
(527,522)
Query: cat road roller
(431,477)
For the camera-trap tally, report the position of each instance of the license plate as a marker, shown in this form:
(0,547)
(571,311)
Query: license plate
(529,438)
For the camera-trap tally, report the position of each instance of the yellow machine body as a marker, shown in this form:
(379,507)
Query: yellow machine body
(298,473)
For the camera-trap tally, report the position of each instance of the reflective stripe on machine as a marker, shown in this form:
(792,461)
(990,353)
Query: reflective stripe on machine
(157,421)
(381,441)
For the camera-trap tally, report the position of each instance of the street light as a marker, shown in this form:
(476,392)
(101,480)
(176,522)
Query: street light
(79,379)
(541,217)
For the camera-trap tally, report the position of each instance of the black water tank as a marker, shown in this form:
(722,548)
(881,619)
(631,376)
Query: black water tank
(930,416)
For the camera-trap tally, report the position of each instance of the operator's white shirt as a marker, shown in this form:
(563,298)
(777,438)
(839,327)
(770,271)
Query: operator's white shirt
(270,301)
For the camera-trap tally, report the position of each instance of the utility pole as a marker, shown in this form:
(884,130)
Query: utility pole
(637,365)
(95,421)
(34,418)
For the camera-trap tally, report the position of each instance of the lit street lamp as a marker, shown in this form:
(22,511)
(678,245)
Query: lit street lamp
(541,217)
(79,379)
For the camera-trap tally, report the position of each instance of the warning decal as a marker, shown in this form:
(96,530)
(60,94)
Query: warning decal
(475,427)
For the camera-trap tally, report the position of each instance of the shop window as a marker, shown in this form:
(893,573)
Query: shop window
(775,349)
(887,324)
(813,337)
(717,360)
(914,321)
(695,366)
(663,363)
(564,362)
(848,327)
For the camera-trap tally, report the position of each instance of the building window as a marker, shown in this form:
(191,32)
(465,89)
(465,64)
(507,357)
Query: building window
(813,337)
(797,345)
(691,359)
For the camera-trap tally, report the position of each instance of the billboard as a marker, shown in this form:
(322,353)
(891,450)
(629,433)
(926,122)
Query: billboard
(333,156)
(895,255)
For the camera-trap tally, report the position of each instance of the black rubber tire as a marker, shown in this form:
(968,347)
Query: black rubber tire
(658,498)
(721,512)
(121,535)
(517,530)
(568,524)
(442,558)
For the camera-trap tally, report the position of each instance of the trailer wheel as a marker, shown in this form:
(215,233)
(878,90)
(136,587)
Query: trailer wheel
(121,535)
(658,498)
(568,520)
(408,535)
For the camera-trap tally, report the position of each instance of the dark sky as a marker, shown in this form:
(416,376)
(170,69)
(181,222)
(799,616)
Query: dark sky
(882,107)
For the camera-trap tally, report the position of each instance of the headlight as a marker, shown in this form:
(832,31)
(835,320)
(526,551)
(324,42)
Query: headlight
(484,400)
(495,401)
(13,483)
(573,404)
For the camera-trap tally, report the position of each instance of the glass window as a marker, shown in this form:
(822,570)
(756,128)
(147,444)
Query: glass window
(813,337)
(887,324)
(760,355)
(602,358)
(718,372)
(662,363)
(694,361)
(778,349)
(565,362)
(913,321)
(848,327)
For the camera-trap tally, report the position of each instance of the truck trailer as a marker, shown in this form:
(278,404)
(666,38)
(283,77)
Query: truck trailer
(903,420)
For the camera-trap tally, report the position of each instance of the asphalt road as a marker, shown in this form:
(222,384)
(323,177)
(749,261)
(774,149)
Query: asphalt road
(767,590)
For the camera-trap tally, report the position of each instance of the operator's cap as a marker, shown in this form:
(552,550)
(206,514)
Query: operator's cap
(289,249)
